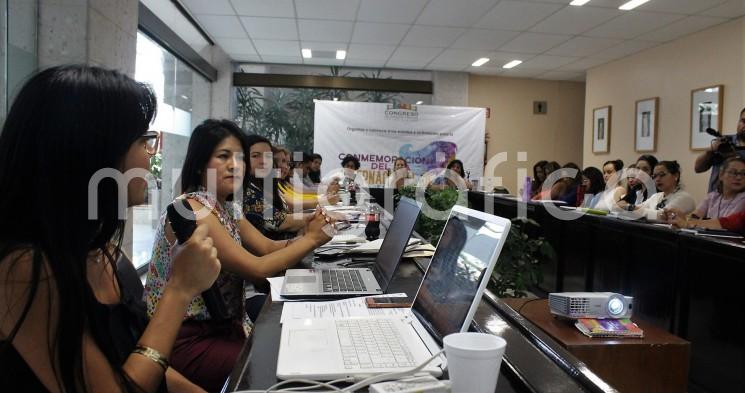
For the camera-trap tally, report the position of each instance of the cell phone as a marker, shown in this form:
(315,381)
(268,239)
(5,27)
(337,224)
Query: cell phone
(388,302)
(183,223)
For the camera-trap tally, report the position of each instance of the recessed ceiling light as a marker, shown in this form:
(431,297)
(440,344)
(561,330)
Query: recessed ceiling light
(419,103)
(579,2)
(512,64)
(480,62)
(307,53)
(632,4)
(341,54)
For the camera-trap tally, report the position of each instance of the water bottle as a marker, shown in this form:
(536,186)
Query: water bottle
(352,189)
(372,230)
(527,189)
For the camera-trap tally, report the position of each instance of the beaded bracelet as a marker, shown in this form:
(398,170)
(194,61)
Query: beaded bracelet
(153,355)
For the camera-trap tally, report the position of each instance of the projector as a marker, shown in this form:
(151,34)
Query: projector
(598,305)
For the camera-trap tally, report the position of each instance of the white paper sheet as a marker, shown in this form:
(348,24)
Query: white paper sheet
(352,307)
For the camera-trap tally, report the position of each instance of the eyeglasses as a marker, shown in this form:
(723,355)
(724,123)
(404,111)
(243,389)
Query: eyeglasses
(152,142)
(735,173)
(661,174)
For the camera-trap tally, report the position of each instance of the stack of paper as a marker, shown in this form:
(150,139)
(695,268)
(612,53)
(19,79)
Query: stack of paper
(419,251)
(374,246)
(352,307)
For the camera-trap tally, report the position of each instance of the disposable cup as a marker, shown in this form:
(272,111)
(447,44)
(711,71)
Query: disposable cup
(473,361)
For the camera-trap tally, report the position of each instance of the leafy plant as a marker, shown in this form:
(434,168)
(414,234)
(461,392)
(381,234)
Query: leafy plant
(440,200)
(156,166)
(377,96)
(519,266)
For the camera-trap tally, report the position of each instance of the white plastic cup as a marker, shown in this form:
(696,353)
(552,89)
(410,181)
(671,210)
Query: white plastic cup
(473,361)
(345,198)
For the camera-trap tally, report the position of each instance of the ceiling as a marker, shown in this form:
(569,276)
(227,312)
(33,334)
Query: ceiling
(553,39)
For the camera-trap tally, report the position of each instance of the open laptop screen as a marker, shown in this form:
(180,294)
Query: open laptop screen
(468,247)
(395,241)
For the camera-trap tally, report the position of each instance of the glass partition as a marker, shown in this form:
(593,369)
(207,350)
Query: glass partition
(183,102)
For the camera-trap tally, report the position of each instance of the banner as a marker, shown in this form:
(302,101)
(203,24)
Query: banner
(427,136)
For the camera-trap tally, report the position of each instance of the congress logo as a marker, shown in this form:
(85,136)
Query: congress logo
(406,112)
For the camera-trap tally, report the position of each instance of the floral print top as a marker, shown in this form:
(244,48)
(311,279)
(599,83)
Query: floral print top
(260,214)
(231,285)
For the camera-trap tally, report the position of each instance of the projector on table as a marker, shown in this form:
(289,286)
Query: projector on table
(598,305)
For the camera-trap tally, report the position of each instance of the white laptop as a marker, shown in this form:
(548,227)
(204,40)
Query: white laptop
(347,282)
(328,349)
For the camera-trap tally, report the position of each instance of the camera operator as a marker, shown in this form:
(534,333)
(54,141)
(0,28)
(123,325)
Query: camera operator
(721,149)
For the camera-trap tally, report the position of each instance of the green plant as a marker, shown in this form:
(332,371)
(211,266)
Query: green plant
(519,265)
(439,200)
(156,166)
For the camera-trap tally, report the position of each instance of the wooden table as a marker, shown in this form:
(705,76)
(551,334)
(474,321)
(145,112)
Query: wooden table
(656,363)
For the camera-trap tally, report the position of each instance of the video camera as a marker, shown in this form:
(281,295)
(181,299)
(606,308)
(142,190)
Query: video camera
(726,148)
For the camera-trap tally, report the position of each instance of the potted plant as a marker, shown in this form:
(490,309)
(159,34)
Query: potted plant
(519,265)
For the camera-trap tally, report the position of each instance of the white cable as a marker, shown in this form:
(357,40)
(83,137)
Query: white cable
(314,384)
(301,388)
(359,385)
(396,375)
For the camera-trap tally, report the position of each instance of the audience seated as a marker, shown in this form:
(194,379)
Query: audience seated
(720,150)
(300,173)
(548,169)
(729,196)
(641,172)
(592,179)
(667,178)
(282,162)
(734,222)
(315,168)
(272,217)
(539,175)
(565,189)
(615,186)
(206,349)
(67,322)
(454,174)
(401,174)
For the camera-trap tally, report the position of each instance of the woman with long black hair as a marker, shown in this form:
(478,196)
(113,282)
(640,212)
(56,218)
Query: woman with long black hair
(214,168)
(67,323)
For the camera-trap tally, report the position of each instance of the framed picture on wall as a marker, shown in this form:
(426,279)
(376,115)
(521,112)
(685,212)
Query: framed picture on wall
(645,138)
(601,129)
(706,112)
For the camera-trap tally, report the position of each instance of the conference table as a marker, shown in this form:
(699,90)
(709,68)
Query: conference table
(533,362)
(687,284)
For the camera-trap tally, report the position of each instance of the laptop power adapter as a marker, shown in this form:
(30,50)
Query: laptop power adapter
(419,384)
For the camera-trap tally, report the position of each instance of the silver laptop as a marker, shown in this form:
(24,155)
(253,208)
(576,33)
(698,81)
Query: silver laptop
(328,349)
(346,282)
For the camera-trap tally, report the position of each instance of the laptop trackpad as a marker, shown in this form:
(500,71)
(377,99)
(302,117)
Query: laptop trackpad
(300,279)
(308,339)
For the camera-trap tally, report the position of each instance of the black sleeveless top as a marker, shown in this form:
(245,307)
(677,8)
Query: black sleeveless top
(115,328)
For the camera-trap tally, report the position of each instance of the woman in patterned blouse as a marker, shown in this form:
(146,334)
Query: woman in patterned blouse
(271,216)
(207,348)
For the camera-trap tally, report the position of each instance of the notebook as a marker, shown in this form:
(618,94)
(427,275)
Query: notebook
(327,349)
(330,283)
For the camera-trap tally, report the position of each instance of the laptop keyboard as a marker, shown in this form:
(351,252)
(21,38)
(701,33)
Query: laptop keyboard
(342,280)
(372,343)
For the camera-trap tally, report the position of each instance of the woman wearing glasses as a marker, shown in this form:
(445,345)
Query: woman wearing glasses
(67,323)
(666,175)
(729,197)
